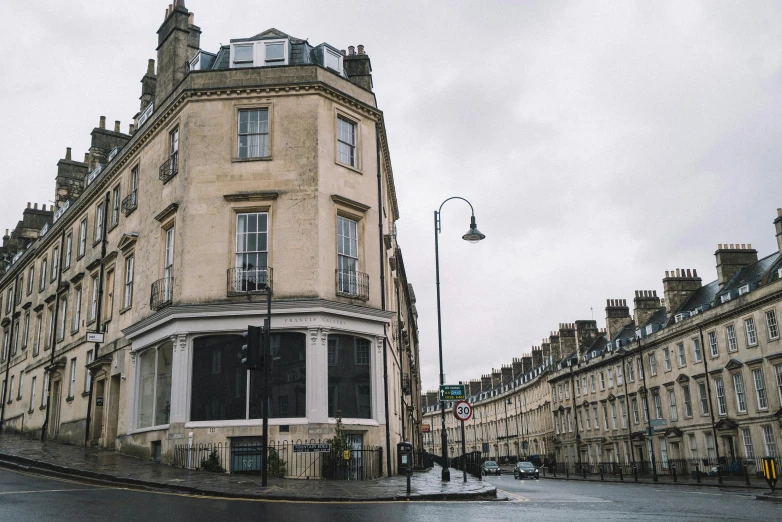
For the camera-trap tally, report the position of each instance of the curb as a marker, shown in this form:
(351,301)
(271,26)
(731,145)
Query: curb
(57,471)
(665,483)
(770,498)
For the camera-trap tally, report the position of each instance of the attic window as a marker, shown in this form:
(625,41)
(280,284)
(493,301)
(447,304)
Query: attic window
(260,53)
(744,290)
(332,60)
(242,55)
(648,329)
(724,298)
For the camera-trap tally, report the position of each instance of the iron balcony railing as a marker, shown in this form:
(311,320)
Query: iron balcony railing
(255,280)
(170,168)
(161,293)
(352,284)
(129,203)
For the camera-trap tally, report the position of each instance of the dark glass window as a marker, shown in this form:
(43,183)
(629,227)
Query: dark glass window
(219,380)
(219,390)
(288,374)
(349,377)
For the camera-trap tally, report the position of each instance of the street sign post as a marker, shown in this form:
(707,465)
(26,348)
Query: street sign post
(452,392)
(462,410)
(94,337)
(770,472)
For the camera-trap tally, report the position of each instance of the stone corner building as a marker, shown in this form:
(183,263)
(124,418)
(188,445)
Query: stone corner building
(263,164)
(692,378)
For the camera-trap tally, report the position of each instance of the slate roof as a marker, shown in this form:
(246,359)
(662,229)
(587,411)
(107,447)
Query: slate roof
(300,52)
(704,295)
(659,317)
(751,274)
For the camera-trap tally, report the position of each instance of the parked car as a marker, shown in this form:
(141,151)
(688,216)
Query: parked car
(490,468)
(525,470)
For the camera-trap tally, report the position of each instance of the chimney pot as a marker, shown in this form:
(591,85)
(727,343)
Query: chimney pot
(351,50)
(43,207)
(689,274)
(719,246)
(28,204)
(131,128)
(190,18)
(779,212)
(86,157)
(749,246)
(666,273)
(102,122)
(677,273)
(654,292)
(360,49)
(151,67)
(694,272)
(68,153)
(116,126)
(35,206)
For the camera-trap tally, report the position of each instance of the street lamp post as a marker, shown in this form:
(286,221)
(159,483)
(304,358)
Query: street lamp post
(473,236)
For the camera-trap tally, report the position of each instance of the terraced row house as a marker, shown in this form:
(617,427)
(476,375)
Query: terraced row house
(260,168)
(692,378)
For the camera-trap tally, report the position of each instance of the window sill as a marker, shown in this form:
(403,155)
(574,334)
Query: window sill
(42,407)
(85,394)
(123,310)
(349,167)
(752,345)
(69,399)
(30,412)
(244,160)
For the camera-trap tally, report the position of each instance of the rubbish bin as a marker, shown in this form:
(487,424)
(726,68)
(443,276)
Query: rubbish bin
(403,453)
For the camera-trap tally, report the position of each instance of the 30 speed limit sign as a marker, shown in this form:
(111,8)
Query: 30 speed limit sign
(462,411)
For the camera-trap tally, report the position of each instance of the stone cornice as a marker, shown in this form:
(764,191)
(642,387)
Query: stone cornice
(167,212)
(349,203)
(261,195)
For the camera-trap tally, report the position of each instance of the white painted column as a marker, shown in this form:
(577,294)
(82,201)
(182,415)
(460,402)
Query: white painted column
(317,376)
(379,406)
(180,378)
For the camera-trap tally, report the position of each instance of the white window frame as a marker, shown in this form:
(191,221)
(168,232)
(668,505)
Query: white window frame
(619,377)
(87,374)
(115,204)
(263,144)
(44,265)
(738,386)
(82,238)
(769,441)
(63,319)
(687,399)
(328,51)
(55,262)
(93,298)
(652,365)
(719,388)
(76,323)
(32,392)
(672,405)
(730,336)
(72,382)
(697,349)
(771,324)
(98,223)
(778,374)
(68,250)
(351,162)
(750,331)
(746,439)
(667,358)
(38,332)
(713,347)
(127,296)
(760,389)
(703,397)
(259,54)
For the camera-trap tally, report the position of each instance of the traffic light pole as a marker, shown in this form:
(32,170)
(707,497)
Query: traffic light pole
(267,359)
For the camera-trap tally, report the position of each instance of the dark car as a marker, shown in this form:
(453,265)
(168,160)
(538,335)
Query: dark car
(525,470)
(490,468)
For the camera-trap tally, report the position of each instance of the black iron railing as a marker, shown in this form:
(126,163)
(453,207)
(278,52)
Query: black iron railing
(170,168)
(287,459)
(249,280)
(129,203)
(161,293)
(352,284)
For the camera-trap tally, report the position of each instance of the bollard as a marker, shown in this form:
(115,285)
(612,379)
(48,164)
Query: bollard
(555,471)
(621,474)
(719,474)
(567,472)
(544,471)
(601,471)
(698,473)
(673,469)
(635,472)
(584,470)
(746,475)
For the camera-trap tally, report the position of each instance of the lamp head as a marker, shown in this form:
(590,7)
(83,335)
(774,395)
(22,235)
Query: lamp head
(473,235)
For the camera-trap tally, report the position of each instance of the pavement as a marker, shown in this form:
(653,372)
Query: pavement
(111,468)
(738,482)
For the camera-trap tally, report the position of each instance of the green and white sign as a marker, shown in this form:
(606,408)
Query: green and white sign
(452,392)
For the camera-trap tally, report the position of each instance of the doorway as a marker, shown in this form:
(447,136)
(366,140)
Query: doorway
(54,413)
(112,419)
(96,433)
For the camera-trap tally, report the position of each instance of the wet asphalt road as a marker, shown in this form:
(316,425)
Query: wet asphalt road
(26,498)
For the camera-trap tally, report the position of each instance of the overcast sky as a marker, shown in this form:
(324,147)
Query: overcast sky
(600,143)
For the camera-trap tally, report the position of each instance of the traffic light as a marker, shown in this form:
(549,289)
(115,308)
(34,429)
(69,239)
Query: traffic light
(251,349)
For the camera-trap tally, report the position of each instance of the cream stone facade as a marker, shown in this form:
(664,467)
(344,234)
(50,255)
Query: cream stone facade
(691,380)
(234,178)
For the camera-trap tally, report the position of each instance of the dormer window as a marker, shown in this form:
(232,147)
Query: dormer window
(260,53)
(275,53)
(744,290)
(332,60)
(724,298)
